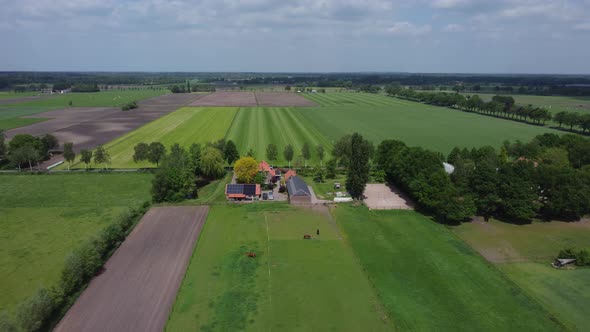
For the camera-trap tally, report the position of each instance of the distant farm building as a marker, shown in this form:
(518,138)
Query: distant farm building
(242,191)
(298,190)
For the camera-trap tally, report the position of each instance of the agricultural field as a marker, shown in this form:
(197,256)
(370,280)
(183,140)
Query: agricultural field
(44,217)
(107,98)
(428,279)
(10,116)
(524,254)
(13,95)
(378,117)
(255,128)
(553,104)
(185,126)
(292,283)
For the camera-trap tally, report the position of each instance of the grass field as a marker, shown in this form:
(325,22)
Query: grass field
(378,117)
(94,99)
(292,284)
(12,94)
(524,253)
(323,189)
(256,127)
(551,103)
(429,280)
(44,217)
(10,116)
(185,126)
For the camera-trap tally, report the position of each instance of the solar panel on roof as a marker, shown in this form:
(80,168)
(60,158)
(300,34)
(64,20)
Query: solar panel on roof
(250,189)
(235,188)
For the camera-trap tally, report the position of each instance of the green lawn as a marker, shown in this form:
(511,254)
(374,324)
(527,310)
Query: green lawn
(107,98)
(325,190)
(44,217)
(430,280)
(185,126)
(378,117)
(292,284)
(256,127)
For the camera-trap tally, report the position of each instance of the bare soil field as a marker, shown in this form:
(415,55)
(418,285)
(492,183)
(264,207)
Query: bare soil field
(282,99)
(138,286)
(383,197)
(227,99)
(270,99)
(96,126)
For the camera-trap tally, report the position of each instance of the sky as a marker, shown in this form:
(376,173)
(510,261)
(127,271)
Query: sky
(427,36)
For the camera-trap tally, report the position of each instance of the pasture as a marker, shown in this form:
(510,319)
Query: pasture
(109,98)
(524,253)
(428,279)
(12,94)
(292,284)
(553,104)
(185,126)
(44,217)
(10,116)
(378,117)
(255,128)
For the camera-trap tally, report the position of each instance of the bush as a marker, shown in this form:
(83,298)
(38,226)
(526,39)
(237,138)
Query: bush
(129,106)
(6,324)
(582,257)
(33,313)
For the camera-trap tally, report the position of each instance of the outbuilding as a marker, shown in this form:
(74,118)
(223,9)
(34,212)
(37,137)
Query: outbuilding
(236,191)
(298,190)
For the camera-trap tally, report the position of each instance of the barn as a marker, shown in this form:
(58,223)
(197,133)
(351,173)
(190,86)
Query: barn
(242,191)
(298,190)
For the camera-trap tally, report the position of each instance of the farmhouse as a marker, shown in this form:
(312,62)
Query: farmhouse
(242,191)
(289,174)
(268,170)
(298,190)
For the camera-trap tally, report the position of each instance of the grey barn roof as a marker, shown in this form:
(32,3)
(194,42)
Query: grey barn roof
(297,187)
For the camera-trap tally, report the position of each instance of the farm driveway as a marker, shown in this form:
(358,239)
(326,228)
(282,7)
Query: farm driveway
(138,286)
(379,196)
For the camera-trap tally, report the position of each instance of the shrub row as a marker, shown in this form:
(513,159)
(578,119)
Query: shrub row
(129,106)
(44,309)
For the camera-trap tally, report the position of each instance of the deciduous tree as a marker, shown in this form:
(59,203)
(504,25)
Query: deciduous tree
(156,152)
(358,168)
(288,153)
(306,153)
(212,163)
(69,154)
(272,152)
(86,157)
(246,169)
(101,156)
(230,152)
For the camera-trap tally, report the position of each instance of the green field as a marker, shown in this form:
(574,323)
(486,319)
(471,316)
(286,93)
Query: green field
(185,126)
(256,127)
(565,293)
(430,280)
(292,284)
(44,217)
(524,253)
(378,117)
(10,116)
(94,99)
(12,94)
(551,103)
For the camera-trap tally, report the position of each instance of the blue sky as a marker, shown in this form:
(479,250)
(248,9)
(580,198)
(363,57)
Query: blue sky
(462,36)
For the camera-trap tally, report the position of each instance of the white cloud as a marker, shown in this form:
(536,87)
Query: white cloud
(453,28)
(447,4)
(407,28)
(582,26)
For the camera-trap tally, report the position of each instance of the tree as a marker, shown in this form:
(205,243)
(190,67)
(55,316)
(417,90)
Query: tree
(141,153)
(86,157)
(272,152)
(571,119)
(331,169)
(306,152)
(251,153)
(212,163)
(26,153)
(156,152)
(32,314)
(358,168)
(69,154)
(321,153)
(230,152)
(101,156)
(194,156)
(560,117)
(318,174)
(287,88)
(246,169)
(260,178)
(175,180)
(288,153)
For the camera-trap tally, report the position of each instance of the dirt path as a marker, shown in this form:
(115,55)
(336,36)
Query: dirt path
(138,287)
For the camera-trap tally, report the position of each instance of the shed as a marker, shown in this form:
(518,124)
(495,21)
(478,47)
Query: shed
(561,262)
(242,191)
(298,190)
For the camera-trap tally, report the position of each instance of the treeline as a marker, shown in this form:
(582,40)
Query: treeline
(547,178)
(500,106)
(187,87)
(43,310)
(26,150)
(9,80)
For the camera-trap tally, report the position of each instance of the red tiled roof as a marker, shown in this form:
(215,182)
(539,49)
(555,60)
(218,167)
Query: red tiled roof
(265,167)
(258,191)
(289,174)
